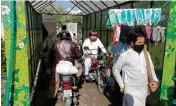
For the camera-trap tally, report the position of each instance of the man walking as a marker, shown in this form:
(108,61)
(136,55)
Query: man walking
(134,81)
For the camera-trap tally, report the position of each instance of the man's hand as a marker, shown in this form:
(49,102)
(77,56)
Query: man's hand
(122,90)
(107,55)
(153,86)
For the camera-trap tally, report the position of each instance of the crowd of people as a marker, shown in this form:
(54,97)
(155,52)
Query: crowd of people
(129,67)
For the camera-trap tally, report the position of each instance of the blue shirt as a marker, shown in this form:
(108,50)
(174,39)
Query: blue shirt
(118,49)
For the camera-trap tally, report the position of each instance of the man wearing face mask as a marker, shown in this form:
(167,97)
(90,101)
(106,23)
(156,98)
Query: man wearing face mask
(134,80)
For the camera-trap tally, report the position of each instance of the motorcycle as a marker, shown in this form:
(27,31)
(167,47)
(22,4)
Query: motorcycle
(68,90)
(96,72)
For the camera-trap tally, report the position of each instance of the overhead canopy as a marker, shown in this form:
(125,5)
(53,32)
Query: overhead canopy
(40,5)
(87,7)
(91,6)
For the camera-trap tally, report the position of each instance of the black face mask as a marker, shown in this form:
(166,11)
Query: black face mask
(138,48)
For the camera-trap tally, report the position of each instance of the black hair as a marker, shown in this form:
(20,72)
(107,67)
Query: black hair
(64,27)
(134,36)
(140,30)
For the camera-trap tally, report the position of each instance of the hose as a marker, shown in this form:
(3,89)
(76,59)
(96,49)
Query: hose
(11,59)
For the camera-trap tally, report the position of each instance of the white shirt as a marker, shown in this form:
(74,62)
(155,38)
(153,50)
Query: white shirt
(134,69)
(93,45)
(71,35)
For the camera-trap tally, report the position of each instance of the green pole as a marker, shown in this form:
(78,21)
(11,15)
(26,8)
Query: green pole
(11,59)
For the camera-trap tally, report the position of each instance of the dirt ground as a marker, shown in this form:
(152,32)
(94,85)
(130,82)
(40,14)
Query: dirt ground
(89,96)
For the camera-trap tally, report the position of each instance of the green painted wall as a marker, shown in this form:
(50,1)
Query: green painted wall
(27,39)
(169,59)
(5,15)
(20,84)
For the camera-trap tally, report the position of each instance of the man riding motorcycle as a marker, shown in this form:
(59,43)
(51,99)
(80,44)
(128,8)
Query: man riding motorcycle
(66,50)
(93,42)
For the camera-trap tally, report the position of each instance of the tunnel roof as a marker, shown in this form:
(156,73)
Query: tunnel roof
(86,6)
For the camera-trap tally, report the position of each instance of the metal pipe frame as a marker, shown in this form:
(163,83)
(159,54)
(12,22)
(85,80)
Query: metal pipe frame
(27,30)
(95,15)
(101,25)
(95,5)
(35,33)
(39,7)
(151,4)
(83,7)
(77,6)
(95,20)
(41,4)
(45,6)
(117,5)
(83,30)
(32,1)
(50,11)
(72,8)
(62,14)
(33,36)
(107,37)
(104,4)
(32,44)
(107,31)
(90,21)
(54,9)
(88,6)
(132,5)
(38,3)
(115,2)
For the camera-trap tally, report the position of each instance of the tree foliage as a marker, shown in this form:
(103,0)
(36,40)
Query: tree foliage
(62,19)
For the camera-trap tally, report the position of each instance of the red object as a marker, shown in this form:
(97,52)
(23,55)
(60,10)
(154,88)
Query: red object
(93,35)
(67,86)
(115,34)
(147,28)
(94,63)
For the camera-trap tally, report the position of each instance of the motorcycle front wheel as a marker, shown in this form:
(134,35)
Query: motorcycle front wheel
(101,82)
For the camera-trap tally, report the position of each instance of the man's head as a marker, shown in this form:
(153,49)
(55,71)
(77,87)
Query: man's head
(64,27)
(65,35)
(137,42)
(93,35)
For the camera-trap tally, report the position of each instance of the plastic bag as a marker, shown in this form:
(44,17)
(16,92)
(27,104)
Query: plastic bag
(66,68)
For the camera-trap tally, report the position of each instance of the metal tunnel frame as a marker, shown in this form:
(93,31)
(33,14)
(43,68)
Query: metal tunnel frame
(95,15)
